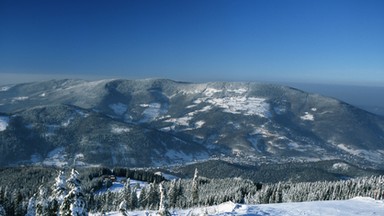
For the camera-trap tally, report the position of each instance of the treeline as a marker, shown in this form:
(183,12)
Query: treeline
(318,191)
(67,193)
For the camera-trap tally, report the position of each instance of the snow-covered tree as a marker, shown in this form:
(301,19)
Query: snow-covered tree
(123,207)
(152,196)
(74,201)
(125,194)
(42,203)
(134,200)
(2,211)
(31,209)
(143,199)
(195,189)
(173,193)
(163,207)
(59,191)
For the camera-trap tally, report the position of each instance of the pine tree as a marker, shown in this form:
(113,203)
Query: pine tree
(59,191)
(173,193)
(42,201)
(163,207)
(195,189)
(2,211)
(125,194)
(123,207)
(153,197)
(134,200)
(74,201)
(31,210)
(143,199)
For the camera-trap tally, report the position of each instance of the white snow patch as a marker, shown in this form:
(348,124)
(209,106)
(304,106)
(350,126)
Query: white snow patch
(43,94)
(191,106)
(119,108)
(242,105)
(238,91)
(357,206)
(66,123)
(152,111)
(4,88)
(119,130)
(56,157)
(314,109)
(340,166)
(199,124)
(211,91)
(374,156)
(254,143)
(280,110)
(82,113)
(4,122)
(183,121)
(307,117)
(118,185)
(21,98)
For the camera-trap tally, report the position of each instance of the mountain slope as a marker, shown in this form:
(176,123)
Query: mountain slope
(154,122)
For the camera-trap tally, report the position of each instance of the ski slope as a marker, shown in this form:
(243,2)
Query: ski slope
(357,206)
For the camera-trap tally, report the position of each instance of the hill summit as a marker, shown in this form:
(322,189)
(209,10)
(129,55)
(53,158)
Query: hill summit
(155,122)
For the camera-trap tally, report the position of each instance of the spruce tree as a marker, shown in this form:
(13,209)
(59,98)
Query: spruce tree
(74,201)
(163,207)
(195,189)
(2,211)
(59,191)
(31,210)
(123,207)
(173,193)
(42,201)
(143,199)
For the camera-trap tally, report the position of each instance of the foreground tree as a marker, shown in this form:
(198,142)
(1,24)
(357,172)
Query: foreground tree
(74,201)
(2,211)
(163,207)
(42,204)
(195,189)
(31,209)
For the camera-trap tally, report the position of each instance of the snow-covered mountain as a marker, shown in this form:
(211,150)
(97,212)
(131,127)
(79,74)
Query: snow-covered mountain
(154,122)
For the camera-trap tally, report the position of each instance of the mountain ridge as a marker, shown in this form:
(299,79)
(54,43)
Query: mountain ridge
(182,122)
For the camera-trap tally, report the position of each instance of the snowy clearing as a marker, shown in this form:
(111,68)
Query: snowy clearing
(356,206)
(4,121)
(21,98)
(242,105)
(56,157)
(118,185)
(119,108)
(4,88)
(238,91)
(115,129)
(152,111)
(307,117)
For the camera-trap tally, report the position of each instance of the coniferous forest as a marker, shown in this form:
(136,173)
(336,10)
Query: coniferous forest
(49,191)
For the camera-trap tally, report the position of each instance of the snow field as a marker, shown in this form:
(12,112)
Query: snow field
(119,108)
(354,207)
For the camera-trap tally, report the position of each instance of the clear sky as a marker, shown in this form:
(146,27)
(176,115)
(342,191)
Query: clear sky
(325,41)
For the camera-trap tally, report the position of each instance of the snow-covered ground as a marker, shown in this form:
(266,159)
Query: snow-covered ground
(356,206)
(4,121)
(118,185)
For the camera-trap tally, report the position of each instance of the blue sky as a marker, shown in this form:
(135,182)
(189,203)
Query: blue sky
(327,41)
